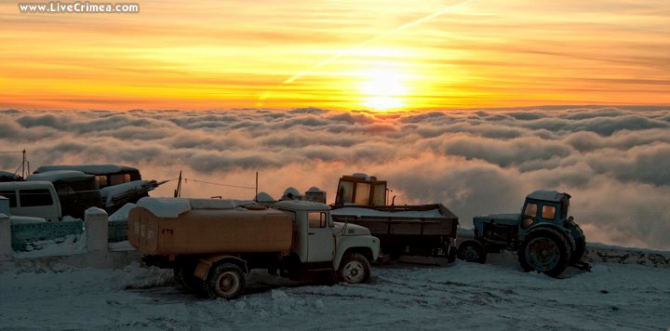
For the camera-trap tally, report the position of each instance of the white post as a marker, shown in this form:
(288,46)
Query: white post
(96,229)
(4,206)
(5,238)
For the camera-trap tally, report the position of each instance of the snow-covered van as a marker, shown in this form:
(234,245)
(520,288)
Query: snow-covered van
(36,199)
(76,190)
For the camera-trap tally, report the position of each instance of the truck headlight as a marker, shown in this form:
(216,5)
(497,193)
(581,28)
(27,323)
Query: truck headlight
(526,222)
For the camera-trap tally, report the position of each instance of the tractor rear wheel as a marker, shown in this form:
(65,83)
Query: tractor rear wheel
(472,251)
(580,248)
(544,250)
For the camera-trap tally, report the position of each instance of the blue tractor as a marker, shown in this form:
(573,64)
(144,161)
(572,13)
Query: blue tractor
(545,238)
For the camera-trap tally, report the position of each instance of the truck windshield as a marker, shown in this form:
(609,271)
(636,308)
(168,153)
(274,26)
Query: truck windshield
(379,198)
(363,194)
(345,192)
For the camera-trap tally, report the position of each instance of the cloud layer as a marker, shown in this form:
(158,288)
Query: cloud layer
(613,161)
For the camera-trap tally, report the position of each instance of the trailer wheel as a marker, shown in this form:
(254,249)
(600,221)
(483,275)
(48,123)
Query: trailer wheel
(354,269)
(580,248)
(226,281)
(451,254)
(544,250)
(472,251)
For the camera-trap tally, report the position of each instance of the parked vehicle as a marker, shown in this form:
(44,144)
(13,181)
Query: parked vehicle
(212,244)
(105,174)
(34,198)
(420,230)
(9,177)
(545,238)
(76,190)
(118,185)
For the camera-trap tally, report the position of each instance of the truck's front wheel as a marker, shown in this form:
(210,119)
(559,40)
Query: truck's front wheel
(354,269)
(226,281)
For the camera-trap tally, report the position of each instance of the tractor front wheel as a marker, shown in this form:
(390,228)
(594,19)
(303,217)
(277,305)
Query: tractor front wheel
(472,251)
(544,250)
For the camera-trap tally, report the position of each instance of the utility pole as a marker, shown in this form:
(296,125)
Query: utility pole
(177,192)
(256,196)
(23,165)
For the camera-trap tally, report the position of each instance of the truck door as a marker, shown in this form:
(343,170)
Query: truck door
(321,241)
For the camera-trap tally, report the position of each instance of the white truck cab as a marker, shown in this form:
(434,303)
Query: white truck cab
(319,239)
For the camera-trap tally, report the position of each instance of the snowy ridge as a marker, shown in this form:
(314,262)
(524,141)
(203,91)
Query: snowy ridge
(612,254)
(465,296)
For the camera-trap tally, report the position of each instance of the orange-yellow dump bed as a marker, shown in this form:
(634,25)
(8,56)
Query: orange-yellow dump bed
(201,231)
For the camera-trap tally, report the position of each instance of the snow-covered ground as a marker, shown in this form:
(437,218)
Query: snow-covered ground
(462,296)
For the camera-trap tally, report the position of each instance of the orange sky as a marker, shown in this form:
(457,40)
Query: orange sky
(338,54)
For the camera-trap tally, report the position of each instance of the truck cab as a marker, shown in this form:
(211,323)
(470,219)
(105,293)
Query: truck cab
(317,239)
(361,190)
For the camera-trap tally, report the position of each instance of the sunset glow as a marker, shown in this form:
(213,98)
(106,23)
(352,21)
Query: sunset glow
(377,55)
(383,90)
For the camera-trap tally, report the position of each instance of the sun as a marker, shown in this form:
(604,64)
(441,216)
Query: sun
(384,90)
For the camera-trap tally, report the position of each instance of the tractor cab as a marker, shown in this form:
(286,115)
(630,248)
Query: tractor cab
(361,190)
(544,207)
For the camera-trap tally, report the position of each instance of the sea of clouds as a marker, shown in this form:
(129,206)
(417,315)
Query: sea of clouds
(614,161)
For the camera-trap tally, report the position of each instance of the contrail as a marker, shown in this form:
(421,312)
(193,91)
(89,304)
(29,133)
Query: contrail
(375,38)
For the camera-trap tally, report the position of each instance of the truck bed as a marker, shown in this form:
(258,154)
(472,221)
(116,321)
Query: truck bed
(420,227)
(201,231)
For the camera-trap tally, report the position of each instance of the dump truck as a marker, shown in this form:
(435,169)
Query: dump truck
(213,244)
(414,230)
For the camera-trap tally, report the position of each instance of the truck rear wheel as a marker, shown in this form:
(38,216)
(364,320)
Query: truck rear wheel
(544,250)
(472,251)
(354,269)
(226,281)
(183,275)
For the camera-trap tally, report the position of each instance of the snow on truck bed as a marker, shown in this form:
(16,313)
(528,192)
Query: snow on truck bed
(355,211)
